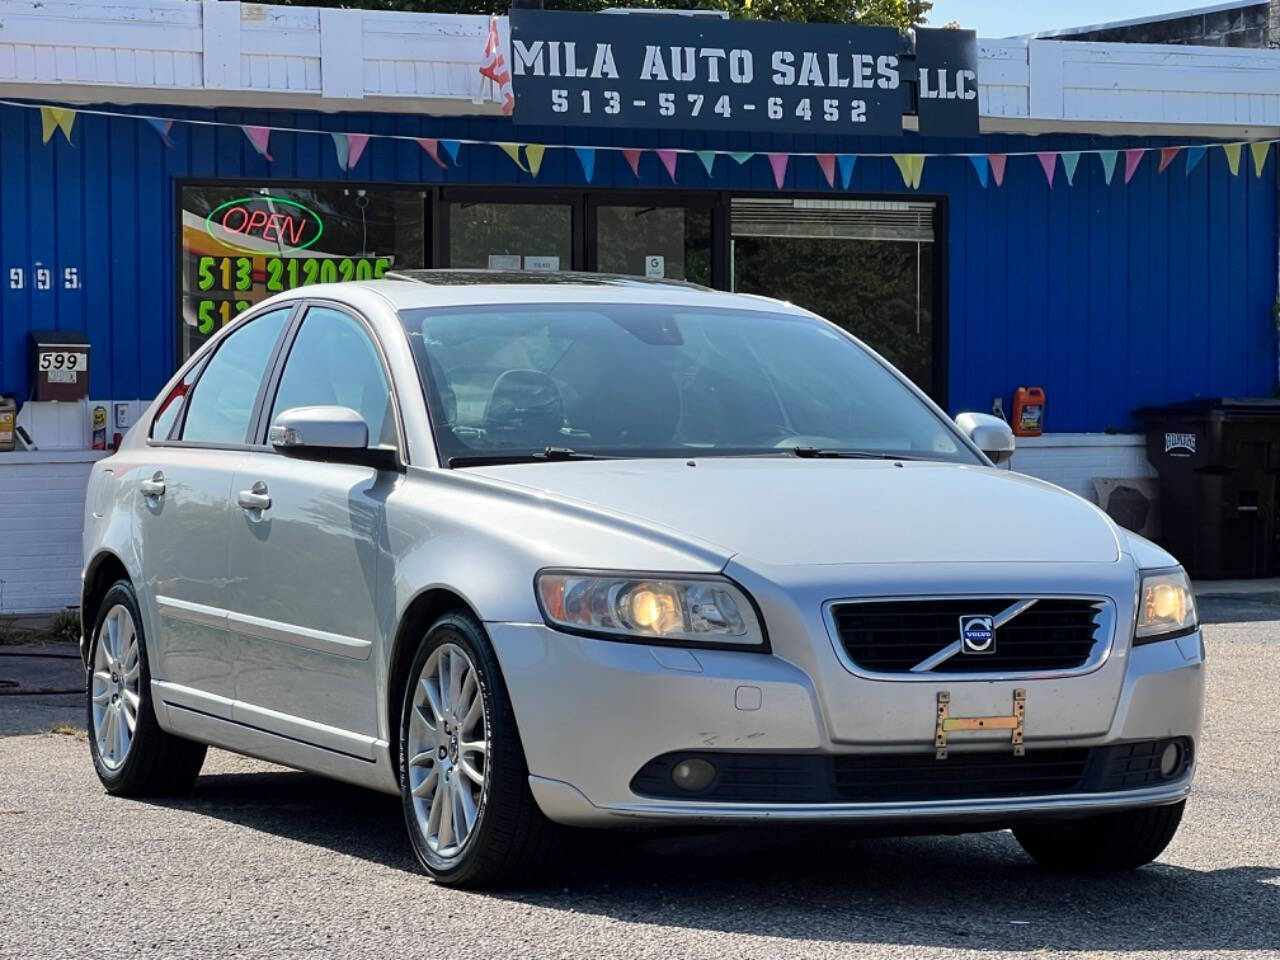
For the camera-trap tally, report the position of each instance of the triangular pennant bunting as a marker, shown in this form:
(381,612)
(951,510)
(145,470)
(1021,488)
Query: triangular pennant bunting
(341,148)
(1232,150)
(846,162)
(917,170)
(587,157)
(1194,156)
(742,157)
(162,127)
(1070,160)
(1049,164)
(827,164)
(56,118)
(432,148)
(533,153)
(778,161)
(997,161)
(979,161)
(1131,160)
(633,160)
(1108,158)
(668,158)
(1166,157)
(451,147)
(260,137)
(708,158)
(356,142)
(903,160)
(512,150)
(1259,151)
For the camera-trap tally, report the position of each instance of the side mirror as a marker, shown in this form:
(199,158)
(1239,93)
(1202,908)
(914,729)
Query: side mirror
(330,435)
(989,434)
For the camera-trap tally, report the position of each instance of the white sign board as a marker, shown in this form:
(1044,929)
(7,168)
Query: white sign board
(504,261)
(655,266)
(542,263)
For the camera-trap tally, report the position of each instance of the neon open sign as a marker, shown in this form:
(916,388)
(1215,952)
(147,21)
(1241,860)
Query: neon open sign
(273,222)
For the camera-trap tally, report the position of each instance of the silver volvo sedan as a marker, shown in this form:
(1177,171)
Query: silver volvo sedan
(542,551)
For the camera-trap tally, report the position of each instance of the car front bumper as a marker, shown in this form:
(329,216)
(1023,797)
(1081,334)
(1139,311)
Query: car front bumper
(592,713)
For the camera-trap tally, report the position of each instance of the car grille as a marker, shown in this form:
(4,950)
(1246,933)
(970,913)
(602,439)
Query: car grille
(893,636)
(906,777)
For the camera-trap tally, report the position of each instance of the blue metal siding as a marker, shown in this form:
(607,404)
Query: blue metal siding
(1109,297)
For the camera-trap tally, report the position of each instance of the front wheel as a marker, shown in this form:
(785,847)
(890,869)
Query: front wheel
(1111,842)
(471,818)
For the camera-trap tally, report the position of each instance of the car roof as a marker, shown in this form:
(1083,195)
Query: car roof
(411,289)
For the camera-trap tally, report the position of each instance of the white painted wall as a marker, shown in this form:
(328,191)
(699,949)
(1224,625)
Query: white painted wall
(1072,460)
(41,516)
(217,52)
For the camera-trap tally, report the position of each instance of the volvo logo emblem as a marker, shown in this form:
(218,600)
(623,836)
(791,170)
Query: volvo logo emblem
(977,635)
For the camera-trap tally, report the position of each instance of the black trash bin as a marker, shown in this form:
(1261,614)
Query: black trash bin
(1218,461)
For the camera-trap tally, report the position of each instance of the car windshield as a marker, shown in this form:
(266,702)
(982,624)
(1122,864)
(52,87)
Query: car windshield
(573,380)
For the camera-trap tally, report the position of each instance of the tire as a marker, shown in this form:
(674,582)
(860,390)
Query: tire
(509,837)
(1112,842)
(153,762)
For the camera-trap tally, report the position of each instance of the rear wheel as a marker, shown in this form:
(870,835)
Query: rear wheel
(131,754)
(464,783)
(1113,841)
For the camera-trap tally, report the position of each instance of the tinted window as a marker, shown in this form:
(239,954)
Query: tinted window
(334,363)
(223,399)
(655,380)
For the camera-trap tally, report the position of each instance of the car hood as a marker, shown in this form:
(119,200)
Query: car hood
(786,510)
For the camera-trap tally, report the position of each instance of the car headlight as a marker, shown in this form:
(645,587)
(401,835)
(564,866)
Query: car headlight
(656,609)
(1166,607)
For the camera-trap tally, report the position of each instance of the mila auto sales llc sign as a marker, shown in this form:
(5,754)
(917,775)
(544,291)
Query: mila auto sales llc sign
(679,72)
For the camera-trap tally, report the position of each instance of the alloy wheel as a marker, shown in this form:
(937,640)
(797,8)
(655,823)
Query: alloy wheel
(448,749)
(117,670)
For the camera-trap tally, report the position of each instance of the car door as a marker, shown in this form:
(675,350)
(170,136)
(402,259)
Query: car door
(306,546)
(198,440)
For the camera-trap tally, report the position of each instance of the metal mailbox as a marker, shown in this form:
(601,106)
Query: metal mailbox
(59,365)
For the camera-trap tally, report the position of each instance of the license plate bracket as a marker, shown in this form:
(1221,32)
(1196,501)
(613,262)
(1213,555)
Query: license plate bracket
(947,724)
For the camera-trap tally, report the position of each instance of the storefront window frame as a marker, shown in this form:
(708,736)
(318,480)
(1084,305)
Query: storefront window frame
(429,199)
(583,203)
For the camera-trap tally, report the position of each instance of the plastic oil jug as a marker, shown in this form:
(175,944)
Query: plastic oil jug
(8,414)
(1028,411)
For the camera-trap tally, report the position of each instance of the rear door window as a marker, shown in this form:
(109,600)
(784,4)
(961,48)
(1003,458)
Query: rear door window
(221,404)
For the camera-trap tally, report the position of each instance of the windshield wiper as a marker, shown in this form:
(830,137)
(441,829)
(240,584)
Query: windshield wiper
(821,453)
(543,455)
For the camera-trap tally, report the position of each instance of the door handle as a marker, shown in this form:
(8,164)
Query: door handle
(153,487)
(255,498)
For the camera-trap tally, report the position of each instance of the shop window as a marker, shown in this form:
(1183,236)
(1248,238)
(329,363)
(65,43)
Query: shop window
(652,241)
(511,236)
(866,265)
(242,244)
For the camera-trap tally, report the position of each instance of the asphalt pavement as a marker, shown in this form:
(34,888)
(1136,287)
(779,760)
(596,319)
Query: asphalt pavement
(262,862)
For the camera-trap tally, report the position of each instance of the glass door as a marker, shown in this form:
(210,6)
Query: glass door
(866,265)
(500,230)
(648,239)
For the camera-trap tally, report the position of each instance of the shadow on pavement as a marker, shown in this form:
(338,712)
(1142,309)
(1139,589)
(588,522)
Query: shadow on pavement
(977,891)
(1238,609)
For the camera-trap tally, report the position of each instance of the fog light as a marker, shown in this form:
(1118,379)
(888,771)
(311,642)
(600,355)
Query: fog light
(693,774)
(1170,759)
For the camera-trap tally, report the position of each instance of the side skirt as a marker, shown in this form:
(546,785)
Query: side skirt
(242,728)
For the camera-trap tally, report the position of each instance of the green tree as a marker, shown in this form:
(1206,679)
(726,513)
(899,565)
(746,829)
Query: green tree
(895,13)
